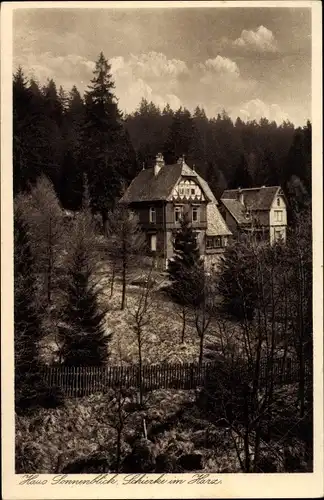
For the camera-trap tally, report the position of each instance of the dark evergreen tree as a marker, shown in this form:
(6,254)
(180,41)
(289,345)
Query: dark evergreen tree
(21,104)
(184,139)
(83,336)
(108,157)
(71,182)
(242,177)
(236,284)
(185,269)
(26,315)
(30,390)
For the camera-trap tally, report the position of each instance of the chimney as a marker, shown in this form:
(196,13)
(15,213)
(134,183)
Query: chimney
(240,196)
(159,163)
(181,160)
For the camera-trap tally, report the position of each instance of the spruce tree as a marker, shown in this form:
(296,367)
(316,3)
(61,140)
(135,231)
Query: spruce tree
(236,283)
(27,323)
(71,181)
(83,334)
(186,269)
(109,158)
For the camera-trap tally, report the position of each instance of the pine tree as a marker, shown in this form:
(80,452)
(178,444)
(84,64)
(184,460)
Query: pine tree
(184,139)
(27,323)
(83,335)
(71,182)
(108,158)
(236,284)
(185,269)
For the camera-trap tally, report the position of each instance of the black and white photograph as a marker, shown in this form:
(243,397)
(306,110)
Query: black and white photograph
(162,181)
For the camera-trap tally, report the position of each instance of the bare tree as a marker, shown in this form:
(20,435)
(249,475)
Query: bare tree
(44,216)
(126,244)
(141,318)
(122,405)
(245,383)
(200,300)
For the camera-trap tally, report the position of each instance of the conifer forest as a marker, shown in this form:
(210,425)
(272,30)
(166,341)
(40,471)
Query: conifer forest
(192,371)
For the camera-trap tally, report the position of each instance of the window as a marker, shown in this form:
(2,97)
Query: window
(213,242)
(187,191)
(177,214)
(278,215)
(278,202)
(193,191)
(181,191)
(195,214)
(152,215)
(278,234)
(153,242)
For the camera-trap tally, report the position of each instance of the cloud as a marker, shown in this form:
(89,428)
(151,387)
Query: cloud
(256,109)
(151,76)
(262,39)
(220,66)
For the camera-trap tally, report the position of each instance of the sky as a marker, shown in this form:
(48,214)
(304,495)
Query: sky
(252,62)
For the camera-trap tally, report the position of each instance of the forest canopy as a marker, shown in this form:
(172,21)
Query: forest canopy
(63,135)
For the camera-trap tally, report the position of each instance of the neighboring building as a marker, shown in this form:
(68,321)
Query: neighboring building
(259,210)
(161,194)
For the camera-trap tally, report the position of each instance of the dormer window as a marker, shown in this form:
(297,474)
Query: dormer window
(152,215)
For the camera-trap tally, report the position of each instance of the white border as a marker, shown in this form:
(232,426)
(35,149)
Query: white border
(233,485)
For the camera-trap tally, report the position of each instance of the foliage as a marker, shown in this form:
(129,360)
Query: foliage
(126,243)
(41,209)
(62,135)
(236,281)
(108,156)
(185,269)
(26,314)
(30,390)
(83,334)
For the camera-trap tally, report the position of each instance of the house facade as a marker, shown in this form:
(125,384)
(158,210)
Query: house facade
(260,210)
(160,195)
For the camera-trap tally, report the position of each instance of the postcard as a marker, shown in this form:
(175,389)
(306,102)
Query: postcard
(162,249)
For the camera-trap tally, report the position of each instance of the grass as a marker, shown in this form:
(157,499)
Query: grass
(49,440)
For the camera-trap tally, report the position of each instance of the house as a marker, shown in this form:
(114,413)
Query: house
(160,195)
(260,210)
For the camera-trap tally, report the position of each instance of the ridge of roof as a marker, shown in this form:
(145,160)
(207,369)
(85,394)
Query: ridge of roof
(258,198)
(149,187)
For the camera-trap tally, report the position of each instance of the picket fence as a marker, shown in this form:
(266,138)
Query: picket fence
(82,381)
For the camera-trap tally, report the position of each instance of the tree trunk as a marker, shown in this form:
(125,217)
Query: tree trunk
(49,264)
(201,350)
(184,317)
(124,272)
(112,282)
(104,218)
(246,438)
(119,434)
(140,368)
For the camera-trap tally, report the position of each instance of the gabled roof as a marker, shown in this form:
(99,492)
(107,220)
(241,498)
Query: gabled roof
(237,210)
(260,198)
(216,226)
(149,187)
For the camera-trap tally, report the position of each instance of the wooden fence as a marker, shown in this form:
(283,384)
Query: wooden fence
(82,381)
